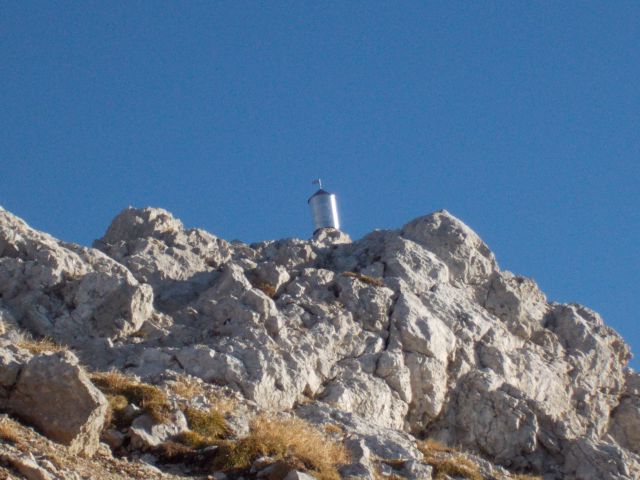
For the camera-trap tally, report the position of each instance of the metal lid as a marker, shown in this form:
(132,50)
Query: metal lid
(318,193)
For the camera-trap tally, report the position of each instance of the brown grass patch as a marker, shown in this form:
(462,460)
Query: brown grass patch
(115,412)
(174,452)
(223,405)
(524,476)
(193,440)
(287,439)
(376,282)
(210,425)
(10,432)
(394,463)
(447,461)
(186,387)
(42,345)
(432,445)
(148,397)
(333,428)
(266,288)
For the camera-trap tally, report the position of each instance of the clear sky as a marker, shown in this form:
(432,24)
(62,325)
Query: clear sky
(521,118)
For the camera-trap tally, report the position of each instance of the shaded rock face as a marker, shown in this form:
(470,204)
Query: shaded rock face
(624,424)
(400,335)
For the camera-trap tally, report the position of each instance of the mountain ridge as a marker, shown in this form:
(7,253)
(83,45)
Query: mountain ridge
(415,331)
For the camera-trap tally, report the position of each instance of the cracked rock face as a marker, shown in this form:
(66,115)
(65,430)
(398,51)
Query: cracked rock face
(400,335)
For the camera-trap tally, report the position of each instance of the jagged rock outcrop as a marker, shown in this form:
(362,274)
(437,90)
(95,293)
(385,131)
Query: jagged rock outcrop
(64,291)
(400,335)
(158,251)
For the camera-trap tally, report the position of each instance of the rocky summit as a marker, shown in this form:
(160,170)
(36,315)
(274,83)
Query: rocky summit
(166,352)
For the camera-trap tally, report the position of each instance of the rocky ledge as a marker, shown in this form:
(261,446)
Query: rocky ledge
(405,354)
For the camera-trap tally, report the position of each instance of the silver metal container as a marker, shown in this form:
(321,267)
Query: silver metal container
(324,210)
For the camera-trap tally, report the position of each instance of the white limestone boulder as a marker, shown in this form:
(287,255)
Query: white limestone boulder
(53,393)
(469,259)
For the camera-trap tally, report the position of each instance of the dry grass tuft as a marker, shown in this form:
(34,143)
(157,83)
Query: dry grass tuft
(149,397)
(173,452)
(193,440)
(210,425)
(432,445)
(333,428)
(9,432)
(447,462)
(112,380)
(376,282)
(223,405)
(115,413)
(42,345)
(266,288)
(287,439)
(394,463)
(524,476)
(186,387)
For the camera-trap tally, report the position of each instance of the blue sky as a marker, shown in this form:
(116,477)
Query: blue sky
(521,118)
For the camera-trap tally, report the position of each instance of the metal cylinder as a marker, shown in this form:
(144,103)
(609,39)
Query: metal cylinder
(324,210)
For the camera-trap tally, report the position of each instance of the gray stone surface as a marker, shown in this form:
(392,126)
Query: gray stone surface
(402,334)
(53,393)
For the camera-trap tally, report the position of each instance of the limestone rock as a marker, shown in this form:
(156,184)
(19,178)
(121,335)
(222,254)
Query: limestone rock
(27,466)
(589,460)
(145,433)
(325,237)
(289,253)
(490,418)
(469,259)
(296,475)
(65,291)
(54,394)
(271,274)
(419,330)
(396,336)
(518,302)
(420,269)
(159,251)
(355,391)
(12,361)
(625,418)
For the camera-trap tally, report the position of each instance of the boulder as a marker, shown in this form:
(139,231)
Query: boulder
(12,361)
(325,237)
(146,433)
(53,393)
(297,475)
(468,258)
(356,391)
